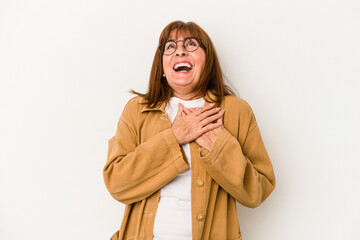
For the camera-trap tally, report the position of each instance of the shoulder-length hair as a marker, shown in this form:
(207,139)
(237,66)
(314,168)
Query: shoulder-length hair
(211,78)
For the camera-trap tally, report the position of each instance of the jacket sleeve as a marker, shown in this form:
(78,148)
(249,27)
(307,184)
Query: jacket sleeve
(244,171)
(135,171)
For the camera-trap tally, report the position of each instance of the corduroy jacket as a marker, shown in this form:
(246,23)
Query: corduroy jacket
(144,155)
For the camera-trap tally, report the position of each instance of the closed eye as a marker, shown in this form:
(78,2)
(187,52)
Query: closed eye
(170,46)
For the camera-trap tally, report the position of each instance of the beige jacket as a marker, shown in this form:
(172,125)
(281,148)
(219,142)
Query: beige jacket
(144,155)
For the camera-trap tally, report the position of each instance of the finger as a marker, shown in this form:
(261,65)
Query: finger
(203,109)
(220,120)
(209,127)
(180,110)
(208,113)
(187,111)
(213,118)
(192,109)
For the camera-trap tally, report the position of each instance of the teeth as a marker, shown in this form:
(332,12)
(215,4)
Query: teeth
(182,65)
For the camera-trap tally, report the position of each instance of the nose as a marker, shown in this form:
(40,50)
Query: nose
(180,51)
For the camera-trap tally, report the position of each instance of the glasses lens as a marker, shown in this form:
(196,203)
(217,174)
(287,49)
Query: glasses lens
(191,44)
(169,47)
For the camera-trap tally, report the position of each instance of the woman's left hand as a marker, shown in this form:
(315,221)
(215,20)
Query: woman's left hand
(207,140)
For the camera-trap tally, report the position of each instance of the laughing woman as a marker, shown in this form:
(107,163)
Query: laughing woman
(187,150)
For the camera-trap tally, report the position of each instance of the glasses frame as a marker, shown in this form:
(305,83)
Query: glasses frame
(176,43)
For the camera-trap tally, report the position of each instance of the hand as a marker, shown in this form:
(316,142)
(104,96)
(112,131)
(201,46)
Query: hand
(188,127)
(207,139)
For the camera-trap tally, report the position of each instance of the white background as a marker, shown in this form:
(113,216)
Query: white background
(65,71)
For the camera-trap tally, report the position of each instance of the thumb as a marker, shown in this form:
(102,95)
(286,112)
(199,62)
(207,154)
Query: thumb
(180,110)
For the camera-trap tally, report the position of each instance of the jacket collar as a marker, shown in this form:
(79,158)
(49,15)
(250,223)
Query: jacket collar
(209,98)
(159,107)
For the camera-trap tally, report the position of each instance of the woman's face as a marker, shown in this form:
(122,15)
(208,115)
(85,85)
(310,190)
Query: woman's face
(183,69)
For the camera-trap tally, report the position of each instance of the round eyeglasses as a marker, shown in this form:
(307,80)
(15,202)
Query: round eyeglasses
(190,44)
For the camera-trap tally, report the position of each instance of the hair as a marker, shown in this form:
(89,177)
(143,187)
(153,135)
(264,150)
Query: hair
(211,78)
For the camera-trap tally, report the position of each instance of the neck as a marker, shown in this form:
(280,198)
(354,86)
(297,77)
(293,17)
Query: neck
(187,96)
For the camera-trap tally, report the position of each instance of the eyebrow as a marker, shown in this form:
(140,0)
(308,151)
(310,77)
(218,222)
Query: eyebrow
(180,39)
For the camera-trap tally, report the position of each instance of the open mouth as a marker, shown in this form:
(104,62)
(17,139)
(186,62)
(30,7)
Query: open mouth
(183,67)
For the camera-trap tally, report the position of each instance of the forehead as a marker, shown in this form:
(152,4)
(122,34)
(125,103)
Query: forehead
(179,34)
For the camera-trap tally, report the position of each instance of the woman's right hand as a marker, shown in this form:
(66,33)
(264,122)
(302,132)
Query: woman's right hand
(191,126)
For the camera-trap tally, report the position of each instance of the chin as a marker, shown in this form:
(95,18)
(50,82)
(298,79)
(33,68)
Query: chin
(183,81)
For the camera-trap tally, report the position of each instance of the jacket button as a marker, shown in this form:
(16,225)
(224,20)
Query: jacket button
(200,217)
(199,183)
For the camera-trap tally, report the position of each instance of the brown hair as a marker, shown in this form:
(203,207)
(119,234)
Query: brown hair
(211,78)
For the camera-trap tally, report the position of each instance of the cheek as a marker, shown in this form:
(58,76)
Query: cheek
(201,64)
(200,60)
(166,65)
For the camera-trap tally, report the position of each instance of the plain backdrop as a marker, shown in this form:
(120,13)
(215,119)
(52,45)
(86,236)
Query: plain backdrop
(66,68)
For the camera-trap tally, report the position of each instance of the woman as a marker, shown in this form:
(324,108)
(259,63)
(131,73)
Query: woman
(187,150)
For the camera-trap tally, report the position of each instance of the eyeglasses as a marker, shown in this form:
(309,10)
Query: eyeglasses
(190,44)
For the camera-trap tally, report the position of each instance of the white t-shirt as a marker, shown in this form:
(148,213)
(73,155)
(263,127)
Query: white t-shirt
(173,216)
